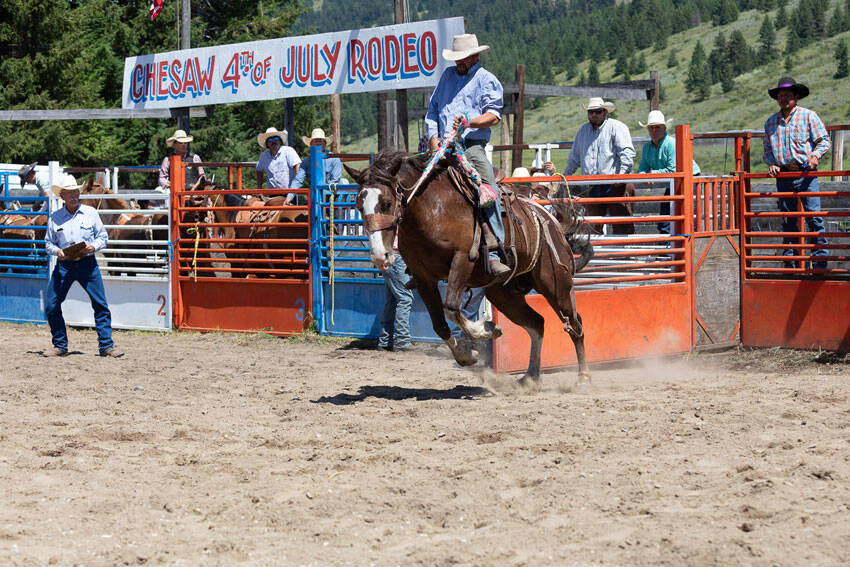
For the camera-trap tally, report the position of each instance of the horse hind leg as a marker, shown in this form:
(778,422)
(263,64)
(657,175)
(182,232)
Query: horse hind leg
(555,283)
(512,304)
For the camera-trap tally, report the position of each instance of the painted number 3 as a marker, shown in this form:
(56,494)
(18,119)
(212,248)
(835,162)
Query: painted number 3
(161,312)
(299,303)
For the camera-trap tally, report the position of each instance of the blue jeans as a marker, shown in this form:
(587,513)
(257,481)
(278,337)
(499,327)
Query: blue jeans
(478,159)
(470,306)
(666,227)
(788,204)
(64,275)
(395,318)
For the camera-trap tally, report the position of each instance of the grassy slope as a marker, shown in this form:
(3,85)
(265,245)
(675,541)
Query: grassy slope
(745,107)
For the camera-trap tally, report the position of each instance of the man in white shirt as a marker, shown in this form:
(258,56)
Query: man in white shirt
(603,146)
(279,162)
(80,225)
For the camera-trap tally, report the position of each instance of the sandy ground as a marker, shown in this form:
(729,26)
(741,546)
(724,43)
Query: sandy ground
(226,449)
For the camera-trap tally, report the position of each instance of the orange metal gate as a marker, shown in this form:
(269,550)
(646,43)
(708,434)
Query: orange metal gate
(238,267)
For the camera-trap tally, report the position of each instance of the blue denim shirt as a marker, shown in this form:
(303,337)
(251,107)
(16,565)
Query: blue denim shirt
(476,92)
(333,172)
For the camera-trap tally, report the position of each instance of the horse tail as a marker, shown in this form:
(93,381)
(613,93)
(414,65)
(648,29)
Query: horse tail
(577,232)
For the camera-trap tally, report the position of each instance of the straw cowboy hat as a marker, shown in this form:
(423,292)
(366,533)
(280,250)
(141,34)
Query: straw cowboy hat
(656,118)
(801,90)
(463,46)
(67,182)
(179,136)
(596,103)
(271,133)
(317,133)
(521,172)
(25,171)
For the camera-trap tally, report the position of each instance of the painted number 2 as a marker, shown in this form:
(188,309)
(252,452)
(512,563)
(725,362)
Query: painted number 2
(299,303)
(161,312)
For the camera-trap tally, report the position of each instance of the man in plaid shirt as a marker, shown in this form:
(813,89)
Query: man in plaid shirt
(794,140)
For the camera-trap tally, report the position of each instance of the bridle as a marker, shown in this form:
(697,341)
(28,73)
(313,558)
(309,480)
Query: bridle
(377,222)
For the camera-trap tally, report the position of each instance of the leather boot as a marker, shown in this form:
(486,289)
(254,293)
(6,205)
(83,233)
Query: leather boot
(497,268)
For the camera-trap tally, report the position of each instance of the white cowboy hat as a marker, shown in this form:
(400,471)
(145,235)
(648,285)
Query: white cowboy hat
(271,133)
(596,102)
(656,118)
(67,182)
(317,133)
(521,172)
(179,136)
(463,46)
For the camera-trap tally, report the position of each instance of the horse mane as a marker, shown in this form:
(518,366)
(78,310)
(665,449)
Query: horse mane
(387,164)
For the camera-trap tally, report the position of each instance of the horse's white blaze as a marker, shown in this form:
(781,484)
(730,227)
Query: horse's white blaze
(377,249)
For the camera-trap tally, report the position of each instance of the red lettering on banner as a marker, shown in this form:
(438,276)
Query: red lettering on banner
(428,55)
(317,77)
(302,73)
(392,55)
(190,81)
(205,77)
(137,84)
(332,55)
(356,51)
(150,77)
(287,71)
(176,82)
(408,43)
(373,57)
(161,76)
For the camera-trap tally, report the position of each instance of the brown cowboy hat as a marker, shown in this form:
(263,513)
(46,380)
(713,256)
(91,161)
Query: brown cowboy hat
(801,90)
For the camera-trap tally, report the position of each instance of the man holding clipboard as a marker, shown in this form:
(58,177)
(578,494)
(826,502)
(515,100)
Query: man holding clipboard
(74,233)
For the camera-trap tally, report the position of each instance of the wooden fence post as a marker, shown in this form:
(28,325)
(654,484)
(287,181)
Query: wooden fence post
(655,99)
(336,129)
(838,153)
(519,101)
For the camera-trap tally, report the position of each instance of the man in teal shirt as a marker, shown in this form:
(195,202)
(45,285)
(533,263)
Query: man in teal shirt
(659,156)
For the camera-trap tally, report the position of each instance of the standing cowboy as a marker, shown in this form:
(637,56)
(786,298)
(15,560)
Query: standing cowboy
(78,226)
(278,162)
(658,155)
(179,143)
(333,166)
(794,140)
(469,92)
(603,146)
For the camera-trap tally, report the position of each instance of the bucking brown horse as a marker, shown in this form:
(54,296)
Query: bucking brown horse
(437,232)
(15,228)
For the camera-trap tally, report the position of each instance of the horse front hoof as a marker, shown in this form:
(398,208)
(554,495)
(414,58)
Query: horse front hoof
(583,386)
(463,352)
(529,384)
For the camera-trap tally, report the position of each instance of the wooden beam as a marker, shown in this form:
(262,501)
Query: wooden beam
(400,17)
(102,113)
(383,97)
(519,103)
(838,153)
(655,92)
(289,121)
(336,121)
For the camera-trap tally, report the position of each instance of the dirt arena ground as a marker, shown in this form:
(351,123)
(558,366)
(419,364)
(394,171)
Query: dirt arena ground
(226,449)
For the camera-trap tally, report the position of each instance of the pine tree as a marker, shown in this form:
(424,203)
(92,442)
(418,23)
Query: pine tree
(739,54)
(781,18)
(843,66)
(789,63)
(725,12)
(582,79)
(621,66)
(838,21)
(593,74)
(718,58)
(727,82)
(767,41)
(638,65)
(698,81)
(672,61)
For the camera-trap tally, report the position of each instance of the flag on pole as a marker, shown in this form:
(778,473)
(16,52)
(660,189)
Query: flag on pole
(156,8)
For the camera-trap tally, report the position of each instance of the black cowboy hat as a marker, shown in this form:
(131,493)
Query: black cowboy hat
(25,171)
(801,90)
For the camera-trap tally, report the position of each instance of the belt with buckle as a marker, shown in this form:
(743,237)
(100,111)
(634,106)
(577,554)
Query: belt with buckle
(791,167)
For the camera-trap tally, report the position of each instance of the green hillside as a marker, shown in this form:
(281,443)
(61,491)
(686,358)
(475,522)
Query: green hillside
(745,106)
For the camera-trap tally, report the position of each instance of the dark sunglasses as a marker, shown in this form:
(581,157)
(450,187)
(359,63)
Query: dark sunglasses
(275,139)
(596,111)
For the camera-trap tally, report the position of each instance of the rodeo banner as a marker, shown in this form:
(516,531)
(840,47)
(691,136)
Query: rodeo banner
(377,59)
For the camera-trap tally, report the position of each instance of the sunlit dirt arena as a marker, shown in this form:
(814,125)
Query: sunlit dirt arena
(233,449)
